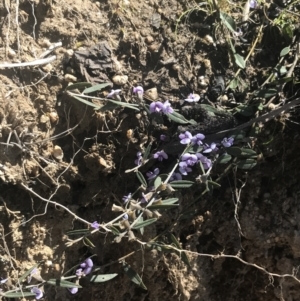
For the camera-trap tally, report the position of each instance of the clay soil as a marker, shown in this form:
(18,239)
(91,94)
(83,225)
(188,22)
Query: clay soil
(166,47)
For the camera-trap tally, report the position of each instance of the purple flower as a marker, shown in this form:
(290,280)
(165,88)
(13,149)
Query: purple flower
(144,199)
(113,93)
(87,265)
(253,4)
(160,155)
(73,290)
(210,148)
(138,89)
(125,216)
(38,293)
(189,159)
(185,138)
(183,168)
(34,271)
(167,109)
(193,98)
(227,142)
(206,163)
(152,175)
(139,159)
(126,198)
(197,139)
(175,176)
(163,137)
(78,272)
(156,107)
(95,225)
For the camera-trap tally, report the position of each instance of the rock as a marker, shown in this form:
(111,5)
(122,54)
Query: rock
(120,80)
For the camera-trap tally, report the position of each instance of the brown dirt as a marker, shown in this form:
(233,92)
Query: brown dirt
(99,148)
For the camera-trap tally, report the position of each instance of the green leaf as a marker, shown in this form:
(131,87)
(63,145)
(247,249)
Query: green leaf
(213,184)
(141,179)
(246,164)
(245,110)
(17,295)
(281,81)
(176,117)
(62,283)
(114,230)
(266,93)
(157,182)
(285,51)
(181,184)
(234,84)
(223,159)
(170,201)
(163,206)
(78,86)
(144,223)
(182,254)
(133,275)
(107,107)
(124,104)
(147,152)
(88,243)
(96,88)
(228,21)
(241,152)
(102,278)
(239,60)
(27,273)
(78,232)
(85,101)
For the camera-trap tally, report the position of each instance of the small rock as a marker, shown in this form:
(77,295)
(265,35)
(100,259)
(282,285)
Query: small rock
(58,153)
(47,68)
(45,43)
(44,119)
(151,94)
(53,117)
(149,39)
(120,80)
(11,53)
(70,78)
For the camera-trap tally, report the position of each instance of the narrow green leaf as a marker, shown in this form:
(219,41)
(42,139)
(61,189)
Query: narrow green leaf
(281,81)
(239,60)
(88,243)
(181,184)
(114,230)
(170,201)
(124,104)
(182,254)
(62,283)
(157,182)
(228,21)
(223,159)
(78,232)
(142,229)
(241,152)
(141,178)
(266,93)
(144,223)
(245,110)
(96,88)
(246,164)
(175,116)
(27,273)
(163,206)
(147,151)
(78,86)
(133,275)
(17,295)
(107,107)
(85,101)
(234,84)
(213,184)
(102,278)
(285,51)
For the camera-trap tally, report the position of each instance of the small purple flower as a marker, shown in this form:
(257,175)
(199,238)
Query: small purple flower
(156,107)
(38,293)
(183,168)
(113,93)
(160,155)
(227,142)
(139,159)
(125,217)
(176,176)
(185,138)
(167,109)
(210,148)
(34,271)
(152,175)
(253,4)
(206,163)
(197,139)
(126,198)
(73,290)
(193,98)
(87,265)
(95,225)
(138,89)
(78,272)
(189,159)
(163,137)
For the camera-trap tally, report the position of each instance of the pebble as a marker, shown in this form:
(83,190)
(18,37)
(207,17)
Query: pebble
(70,78)
(58,153)
(152,94)
(47,68)
(120,80)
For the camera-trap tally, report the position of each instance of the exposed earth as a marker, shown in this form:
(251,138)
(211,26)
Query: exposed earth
(61,159)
